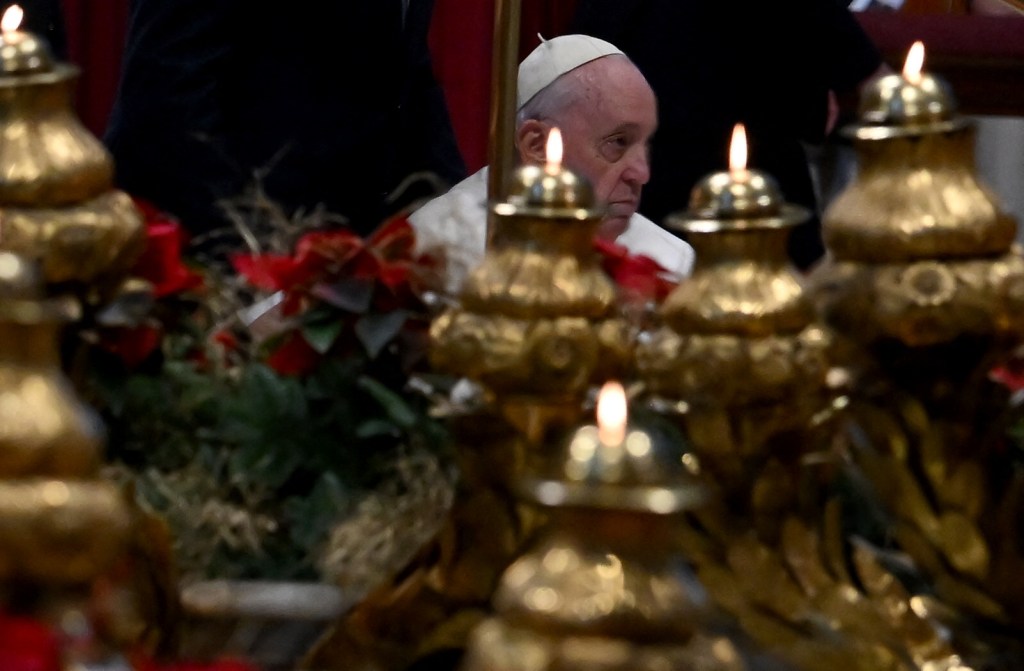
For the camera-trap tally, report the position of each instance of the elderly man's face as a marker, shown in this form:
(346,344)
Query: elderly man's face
(607,135)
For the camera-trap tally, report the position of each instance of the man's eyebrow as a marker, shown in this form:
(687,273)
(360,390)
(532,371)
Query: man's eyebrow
(628,127)
(621,128)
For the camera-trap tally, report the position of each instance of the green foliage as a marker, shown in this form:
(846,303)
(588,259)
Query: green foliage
(252,468)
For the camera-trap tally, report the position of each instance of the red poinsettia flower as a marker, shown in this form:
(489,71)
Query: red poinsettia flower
(638,276)
(161,265)
(132,345)
(160,262)
(295,356)
(393,244)
(1010,374)
(28,645)
(318,256)
(340,269)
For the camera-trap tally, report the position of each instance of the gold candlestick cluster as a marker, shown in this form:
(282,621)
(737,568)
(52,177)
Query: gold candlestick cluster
(872,374)
(57,203)
(536,326)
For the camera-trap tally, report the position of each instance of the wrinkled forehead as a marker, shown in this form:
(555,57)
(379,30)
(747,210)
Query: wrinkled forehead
(611,90)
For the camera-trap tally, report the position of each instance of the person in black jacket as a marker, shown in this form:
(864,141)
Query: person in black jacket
(770,65)
(329,104)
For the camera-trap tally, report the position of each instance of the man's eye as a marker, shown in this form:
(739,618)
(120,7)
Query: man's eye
(614,148)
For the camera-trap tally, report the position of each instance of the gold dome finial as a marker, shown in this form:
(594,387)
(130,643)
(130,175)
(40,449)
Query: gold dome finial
(21,51)
(910,103)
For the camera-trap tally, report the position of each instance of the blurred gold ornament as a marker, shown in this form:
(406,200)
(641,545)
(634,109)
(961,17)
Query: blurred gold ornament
(741,330)
(923,277)
(59,523)
(57,204)
(756,380)
(740,358)
(919,249)
(603,586)
(537,322)
(535,328)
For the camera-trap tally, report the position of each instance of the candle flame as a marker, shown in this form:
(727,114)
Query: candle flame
(553,150)
(738,149)
(611,414)
(12,18)
(914,63)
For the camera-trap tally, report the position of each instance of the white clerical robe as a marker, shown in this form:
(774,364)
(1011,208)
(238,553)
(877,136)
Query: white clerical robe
(455,224)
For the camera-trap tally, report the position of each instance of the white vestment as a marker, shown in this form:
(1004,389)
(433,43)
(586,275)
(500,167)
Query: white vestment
(455,226)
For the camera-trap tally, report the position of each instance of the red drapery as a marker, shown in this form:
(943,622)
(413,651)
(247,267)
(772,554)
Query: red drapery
(460,41)
(95,34)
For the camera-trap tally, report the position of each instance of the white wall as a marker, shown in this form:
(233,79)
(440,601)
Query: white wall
(1000,161)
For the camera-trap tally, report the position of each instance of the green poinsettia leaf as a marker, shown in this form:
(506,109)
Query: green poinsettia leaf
(351,294)
(376,331)
(265,394)
(310,518)
(321,335)
(374,428)
(400,412)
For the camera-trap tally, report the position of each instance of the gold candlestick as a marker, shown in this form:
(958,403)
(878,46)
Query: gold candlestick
(920,248)
(56,200)
(740,343)
(536,327)
(746,368)
(604,587)
(60,525)
(922,275)
(538,319)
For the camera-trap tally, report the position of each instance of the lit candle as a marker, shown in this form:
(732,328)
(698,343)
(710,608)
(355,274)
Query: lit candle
(609,451)
(10,22)
(738,193)
(618,465)
(738,152)
(914,63)
(553,152)
(21,51)
(550,190)
(911,102)
(612,414)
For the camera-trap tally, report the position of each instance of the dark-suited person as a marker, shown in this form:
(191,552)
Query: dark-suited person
(335,101)
(770,65)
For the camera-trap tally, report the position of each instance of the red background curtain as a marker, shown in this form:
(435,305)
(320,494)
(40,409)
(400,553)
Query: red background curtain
(460,41)
(95,34)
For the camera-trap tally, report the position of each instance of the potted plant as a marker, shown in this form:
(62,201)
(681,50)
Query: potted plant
(263,407)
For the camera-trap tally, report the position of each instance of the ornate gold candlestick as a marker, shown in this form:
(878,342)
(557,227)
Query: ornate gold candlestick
(747,370)
(537,324)
(56,200)
(60,525)
(740,345)
(922,276)
(920,249)
(604,586)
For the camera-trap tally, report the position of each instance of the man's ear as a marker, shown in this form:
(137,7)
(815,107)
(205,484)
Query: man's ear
(531,141)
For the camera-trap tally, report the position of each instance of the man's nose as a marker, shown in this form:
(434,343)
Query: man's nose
(638,168)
